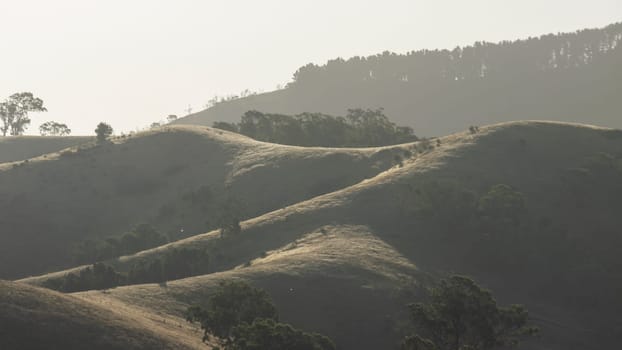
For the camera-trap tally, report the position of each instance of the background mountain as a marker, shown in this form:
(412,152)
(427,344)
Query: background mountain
(573,77)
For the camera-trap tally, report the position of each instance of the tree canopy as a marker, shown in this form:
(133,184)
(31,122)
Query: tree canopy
(245,318)
(231,304)
(54,129)
(103,132)
(14,112)
(268,334)
(461,315)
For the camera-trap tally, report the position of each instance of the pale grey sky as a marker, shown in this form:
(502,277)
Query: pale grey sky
(133,62)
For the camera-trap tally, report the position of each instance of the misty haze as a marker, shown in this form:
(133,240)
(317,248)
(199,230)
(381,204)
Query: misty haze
(279,175)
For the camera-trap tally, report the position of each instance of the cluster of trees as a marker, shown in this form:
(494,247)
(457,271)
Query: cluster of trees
(244,318)
(457,314)
(97,276)
(174,264)
(482,60)
(15,120)
(461,315)
(142,237)
(359,128)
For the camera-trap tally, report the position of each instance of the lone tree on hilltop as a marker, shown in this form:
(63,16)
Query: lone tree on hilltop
(461,315)
(103,132)
(14,112)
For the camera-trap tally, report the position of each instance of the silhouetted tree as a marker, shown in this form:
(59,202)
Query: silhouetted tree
(54,128)
(103,132)
(14,112)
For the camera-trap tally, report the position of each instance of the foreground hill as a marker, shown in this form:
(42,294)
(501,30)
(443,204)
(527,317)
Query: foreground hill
(24,147)
(337,280)
(177,179)
(35,318)
(530,209)
(573,77)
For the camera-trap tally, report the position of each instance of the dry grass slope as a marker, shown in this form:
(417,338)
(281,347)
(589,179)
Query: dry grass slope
(334,259)
(34,318)
(330,279)
(89,192)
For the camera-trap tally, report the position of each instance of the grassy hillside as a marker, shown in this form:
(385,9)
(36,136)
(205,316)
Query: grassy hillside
(572,77)
(529,208)
(24,147)
(176,179)
(35,318)
(330,280)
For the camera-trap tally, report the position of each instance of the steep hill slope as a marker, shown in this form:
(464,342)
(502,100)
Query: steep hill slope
(175,178)
(572,77)
(24,147)
(35,318)
(548,237)
(337,280)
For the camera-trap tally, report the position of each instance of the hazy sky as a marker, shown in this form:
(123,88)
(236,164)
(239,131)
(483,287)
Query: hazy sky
(133,62)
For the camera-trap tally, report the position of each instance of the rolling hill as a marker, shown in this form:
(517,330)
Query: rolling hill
(530,209)
(571,77)
(36,318)
(175,178)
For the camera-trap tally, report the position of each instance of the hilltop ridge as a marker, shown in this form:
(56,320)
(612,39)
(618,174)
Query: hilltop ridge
(174,178)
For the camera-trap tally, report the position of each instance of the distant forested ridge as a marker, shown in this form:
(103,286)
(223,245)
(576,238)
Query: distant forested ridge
(482,60)
(573,77)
